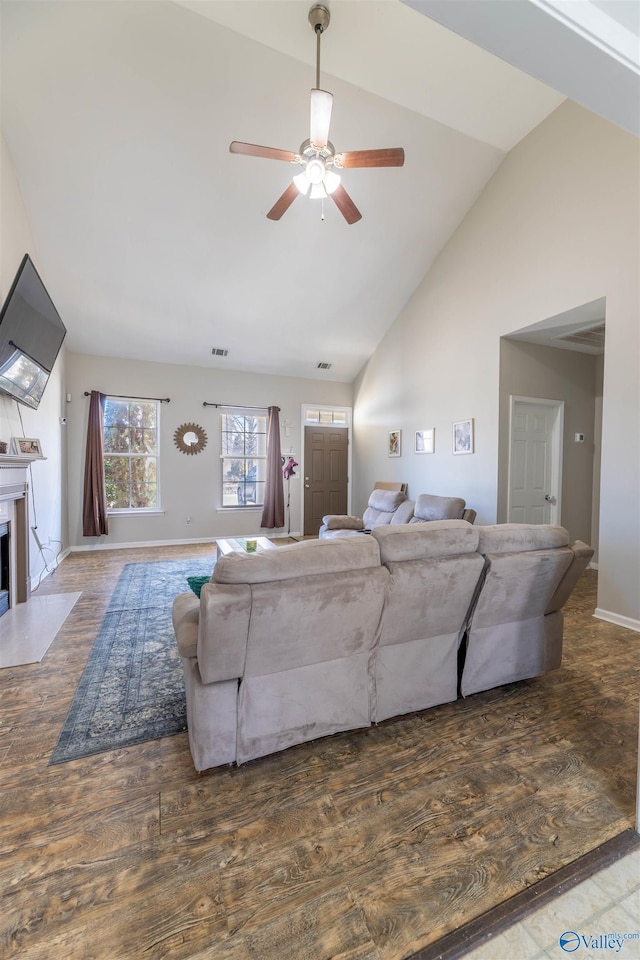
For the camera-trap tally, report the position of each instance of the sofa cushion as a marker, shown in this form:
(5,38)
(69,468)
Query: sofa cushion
(338,522)
(308,558)
(404,513)
(518,537)
(429,507)
(441,538)
(386,501)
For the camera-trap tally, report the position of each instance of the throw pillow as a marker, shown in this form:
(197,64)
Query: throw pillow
(196,583)
(336,522)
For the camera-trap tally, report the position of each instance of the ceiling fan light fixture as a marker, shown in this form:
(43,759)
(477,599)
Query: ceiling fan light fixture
(315,170)
(318,191)
(302,182)
(331,181)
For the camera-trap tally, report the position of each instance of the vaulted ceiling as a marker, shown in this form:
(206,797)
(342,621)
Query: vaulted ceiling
(152,238)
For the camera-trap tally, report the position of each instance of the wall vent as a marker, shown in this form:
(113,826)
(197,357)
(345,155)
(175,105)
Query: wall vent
(219,352)
(323,366)
(588,337)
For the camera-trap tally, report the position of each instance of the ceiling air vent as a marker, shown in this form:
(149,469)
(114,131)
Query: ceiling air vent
(323,366)
(589,337)
(219,352)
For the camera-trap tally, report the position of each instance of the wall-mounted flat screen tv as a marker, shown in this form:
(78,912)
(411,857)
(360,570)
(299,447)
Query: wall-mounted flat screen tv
(31,334)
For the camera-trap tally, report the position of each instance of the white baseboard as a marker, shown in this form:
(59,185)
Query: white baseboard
(44,573)
(592,566)
(90,547)
(618,619)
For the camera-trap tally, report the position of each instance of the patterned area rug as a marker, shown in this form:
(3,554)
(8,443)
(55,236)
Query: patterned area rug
(132,688)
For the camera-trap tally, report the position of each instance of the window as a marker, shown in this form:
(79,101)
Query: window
(131,453)
(337,418)
(243,454)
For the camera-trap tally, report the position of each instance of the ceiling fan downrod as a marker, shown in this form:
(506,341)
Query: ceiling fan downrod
(319,18)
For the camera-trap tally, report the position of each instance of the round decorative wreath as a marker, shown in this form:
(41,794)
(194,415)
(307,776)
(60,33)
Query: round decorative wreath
(190,438)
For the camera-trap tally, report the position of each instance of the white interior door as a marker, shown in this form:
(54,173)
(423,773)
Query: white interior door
(535,460)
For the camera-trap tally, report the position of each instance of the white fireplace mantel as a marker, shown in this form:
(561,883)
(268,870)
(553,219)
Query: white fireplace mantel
(22,460)
(14,508)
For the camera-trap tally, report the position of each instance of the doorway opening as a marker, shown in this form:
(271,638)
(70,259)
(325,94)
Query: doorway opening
(558,360)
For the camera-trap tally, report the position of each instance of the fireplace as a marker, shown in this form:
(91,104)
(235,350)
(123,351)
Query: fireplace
(15,581)
(5,580)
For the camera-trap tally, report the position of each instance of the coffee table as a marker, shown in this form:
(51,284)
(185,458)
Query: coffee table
(229,545)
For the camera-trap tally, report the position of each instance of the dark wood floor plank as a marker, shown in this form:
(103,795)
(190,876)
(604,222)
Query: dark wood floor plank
(128,896)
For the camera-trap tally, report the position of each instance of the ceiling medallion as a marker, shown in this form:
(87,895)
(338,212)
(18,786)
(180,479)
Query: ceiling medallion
(190,438)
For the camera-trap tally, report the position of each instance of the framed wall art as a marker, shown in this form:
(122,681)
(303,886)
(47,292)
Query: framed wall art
(463,439)
(395,443)
(425,441)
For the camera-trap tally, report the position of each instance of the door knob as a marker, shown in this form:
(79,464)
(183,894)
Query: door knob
(548,497)
(307,486)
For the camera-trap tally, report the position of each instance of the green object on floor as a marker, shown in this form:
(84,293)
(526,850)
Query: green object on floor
(197,583)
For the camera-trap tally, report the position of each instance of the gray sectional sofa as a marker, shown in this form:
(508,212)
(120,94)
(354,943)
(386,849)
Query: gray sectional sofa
(328,635)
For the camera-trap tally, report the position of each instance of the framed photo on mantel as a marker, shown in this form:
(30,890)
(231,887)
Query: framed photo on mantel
(27,446)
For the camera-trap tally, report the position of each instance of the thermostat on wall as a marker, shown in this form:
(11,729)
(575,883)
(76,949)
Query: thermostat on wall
(579,437)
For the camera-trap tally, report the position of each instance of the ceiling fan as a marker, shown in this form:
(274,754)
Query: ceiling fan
(317,156)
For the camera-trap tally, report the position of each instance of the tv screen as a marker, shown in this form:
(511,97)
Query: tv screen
(31,334)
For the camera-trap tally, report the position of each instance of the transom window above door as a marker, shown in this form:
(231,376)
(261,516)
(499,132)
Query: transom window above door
(338,418)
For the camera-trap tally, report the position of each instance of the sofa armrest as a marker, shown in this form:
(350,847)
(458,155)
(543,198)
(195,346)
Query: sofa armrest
(469,515)
(339,522)
(186,618)
(582,554)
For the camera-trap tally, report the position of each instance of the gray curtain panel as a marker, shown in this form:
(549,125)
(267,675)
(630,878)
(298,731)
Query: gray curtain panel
(94,504)
(273,511)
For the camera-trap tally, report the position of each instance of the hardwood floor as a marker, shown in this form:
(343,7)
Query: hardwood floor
(364,846)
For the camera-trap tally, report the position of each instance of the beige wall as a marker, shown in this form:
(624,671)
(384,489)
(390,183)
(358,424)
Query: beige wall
(556,227)
(549,373)
(47,478)
(190,486)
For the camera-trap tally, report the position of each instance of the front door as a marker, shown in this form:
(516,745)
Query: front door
(534,467)
(325,475)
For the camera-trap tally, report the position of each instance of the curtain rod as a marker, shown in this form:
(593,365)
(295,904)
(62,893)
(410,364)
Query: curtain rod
(243,406)
(120,396)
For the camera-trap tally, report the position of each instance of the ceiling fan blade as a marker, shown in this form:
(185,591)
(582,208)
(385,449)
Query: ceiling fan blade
(283,203)
(321,106)
(254,150)
(345,205)
(389,157)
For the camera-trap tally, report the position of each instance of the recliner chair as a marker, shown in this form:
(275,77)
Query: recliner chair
(429,507)
(390,506)
(384,507)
